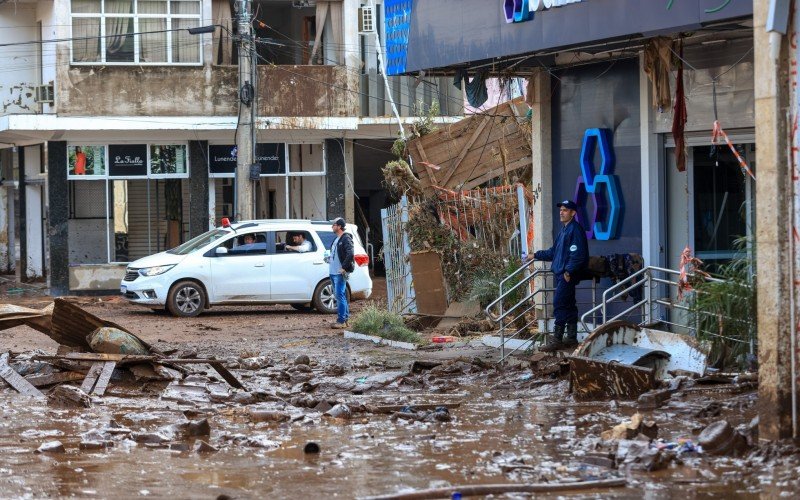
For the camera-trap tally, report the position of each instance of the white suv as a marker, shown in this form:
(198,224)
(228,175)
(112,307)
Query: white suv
(221,268)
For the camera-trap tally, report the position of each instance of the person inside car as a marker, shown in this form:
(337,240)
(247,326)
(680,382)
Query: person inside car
(249,244)
(299,243)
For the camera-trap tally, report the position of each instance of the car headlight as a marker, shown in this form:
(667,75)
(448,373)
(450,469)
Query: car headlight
(155,271)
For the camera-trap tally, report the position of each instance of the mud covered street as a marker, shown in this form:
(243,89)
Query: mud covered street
(323,415)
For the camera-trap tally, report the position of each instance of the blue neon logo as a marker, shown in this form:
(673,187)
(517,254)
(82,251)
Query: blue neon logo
(602,187)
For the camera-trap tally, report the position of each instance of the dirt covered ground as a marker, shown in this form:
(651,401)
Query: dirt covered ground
(356,420)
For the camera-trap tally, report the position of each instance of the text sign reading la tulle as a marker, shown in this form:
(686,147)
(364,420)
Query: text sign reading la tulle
(127,160)
(517,11)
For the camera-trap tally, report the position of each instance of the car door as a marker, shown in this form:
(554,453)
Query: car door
(241,274)
(294,275)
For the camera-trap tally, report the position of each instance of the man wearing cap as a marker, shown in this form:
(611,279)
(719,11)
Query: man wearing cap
(341,265)
(569,256)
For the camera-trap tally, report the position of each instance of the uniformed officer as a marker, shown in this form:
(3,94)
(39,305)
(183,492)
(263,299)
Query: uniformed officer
(569,255)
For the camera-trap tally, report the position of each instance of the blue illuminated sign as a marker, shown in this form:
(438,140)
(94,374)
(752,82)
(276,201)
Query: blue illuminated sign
(517,11)
(603,187)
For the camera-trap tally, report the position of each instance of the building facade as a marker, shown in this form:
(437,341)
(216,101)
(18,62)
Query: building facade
(603,90)
(117,125)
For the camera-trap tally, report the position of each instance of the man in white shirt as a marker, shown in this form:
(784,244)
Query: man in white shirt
(299,243)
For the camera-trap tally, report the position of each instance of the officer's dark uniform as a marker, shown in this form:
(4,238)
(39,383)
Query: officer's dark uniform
(570,254)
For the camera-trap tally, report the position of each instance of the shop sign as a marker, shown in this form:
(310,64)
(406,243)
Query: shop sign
(602,187)
(517,11)
(271,157)
(127,160)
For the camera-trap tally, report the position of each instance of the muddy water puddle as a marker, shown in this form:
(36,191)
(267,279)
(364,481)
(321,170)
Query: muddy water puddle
(519,438)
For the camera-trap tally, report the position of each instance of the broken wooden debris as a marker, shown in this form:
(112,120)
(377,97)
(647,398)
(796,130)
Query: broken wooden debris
(497,489)
(16,380)
(474,150)
(122,359)
(388,409)
(54,378)
(67,395)
(98,377)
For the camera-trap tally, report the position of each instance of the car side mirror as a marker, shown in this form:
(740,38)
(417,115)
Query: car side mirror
(221,251)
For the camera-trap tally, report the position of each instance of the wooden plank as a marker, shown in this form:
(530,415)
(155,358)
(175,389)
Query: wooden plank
(417,407)
(16,381)
(105,376)
(427,168)
(428,278)
(91,377)
(465,150)
(54,378)
(228,376)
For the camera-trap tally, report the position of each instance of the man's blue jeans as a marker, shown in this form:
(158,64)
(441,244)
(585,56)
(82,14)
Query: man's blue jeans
(340,292)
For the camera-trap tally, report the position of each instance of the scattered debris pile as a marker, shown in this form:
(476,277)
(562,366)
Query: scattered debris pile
(477,149)
(90,350)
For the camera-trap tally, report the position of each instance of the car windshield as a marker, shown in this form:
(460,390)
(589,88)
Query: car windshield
(199,241)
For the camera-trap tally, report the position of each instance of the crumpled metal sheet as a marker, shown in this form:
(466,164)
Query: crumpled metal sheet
(631,355)
(594,379)
(38,319)
(71,325)
(685,353)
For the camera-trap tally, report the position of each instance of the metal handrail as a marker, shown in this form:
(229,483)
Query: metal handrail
(505,294)
(647,273)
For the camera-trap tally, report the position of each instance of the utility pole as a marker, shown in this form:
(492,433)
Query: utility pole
(243,200)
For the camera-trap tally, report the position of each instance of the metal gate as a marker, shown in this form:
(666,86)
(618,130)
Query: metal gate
(396,251)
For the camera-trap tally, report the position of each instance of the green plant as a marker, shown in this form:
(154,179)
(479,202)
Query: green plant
(399,148)
(486,282)
(725,311)
(424,122)
(374,320)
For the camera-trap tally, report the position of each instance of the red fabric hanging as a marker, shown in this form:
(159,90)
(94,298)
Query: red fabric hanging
(679,118)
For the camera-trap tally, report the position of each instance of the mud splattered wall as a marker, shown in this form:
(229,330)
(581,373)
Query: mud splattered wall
(289,91)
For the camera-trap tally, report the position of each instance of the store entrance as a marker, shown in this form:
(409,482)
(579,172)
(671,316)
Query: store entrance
(710,206)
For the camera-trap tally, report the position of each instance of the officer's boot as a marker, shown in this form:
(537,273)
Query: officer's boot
(555,343)
(571,340)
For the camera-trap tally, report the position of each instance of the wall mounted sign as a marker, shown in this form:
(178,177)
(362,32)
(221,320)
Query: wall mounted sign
(127,160)
(517,11)
(222,159)
(272,157)
(602,187)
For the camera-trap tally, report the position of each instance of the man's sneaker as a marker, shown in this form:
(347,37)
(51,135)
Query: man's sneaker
(340,326)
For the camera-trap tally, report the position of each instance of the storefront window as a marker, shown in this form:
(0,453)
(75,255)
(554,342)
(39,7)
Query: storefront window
(86,161)
(168,160)
(127,201)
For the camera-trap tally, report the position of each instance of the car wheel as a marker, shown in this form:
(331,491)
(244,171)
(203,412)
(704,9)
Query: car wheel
(324,299)
(186,299)
(303,307)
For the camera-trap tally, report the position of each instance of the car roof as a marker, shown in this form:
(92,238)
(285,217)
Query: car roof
(293,222)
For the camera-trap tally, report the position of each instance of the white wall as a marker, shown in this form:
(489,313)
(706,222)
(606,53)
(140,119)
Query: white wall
(18,24)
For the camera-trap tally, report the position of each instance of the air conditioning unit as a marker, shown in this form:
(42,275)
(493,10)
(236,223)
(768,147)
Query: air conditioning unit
(366,19)
(45,93)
